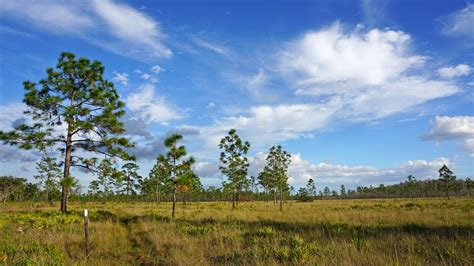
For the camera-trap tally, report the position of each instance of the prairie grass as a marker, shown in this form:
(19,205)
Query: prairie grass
(347,232)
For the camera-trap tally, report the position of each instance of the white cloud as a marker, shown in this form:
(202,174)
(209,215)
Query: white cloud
(257,85)
(149,78)
(454,71)
(50,15)
(372,72)
(257,81)
(145,76)
(10,113)
(15,154)
(157,69)
(454,127)
(395,97)
(357,76)
(460,22)
(151,107)
(206,169)
(217,48)
(110,25)
(122,78)
(211,105)
(264,125)
(451,127)
(331,58)
(333,175)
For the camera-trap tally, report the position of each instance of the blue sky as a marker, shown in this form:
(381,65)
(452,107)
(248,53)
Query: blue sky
(360,92)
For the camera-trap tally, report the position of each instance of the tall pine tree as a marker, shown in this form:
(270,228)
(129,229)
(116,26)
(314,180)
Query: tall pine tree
(276,169)
(234,163)
(76,111)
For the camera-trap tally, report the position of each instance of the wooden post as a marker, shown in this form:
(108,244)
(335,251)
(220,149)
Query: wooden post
(86,231)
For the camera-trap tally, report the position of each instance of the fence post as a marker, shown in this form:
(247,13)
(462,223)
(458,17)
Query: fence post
(86,231)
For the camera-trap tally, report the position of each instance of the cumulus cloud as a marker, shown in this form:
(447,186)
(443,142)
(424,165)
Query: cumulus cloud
(394,97)
(454,71)
(151,107)
(451,127)
(372,73)
(328,57)
(122,78)
(149,78)
(334,175)
(264,125)
(206,169)
(460,22)
(352,76)
(11,115)
(156,69)
(136,126)
(14,154)
(185,131)
(454,127)
(148,149)
(113,26)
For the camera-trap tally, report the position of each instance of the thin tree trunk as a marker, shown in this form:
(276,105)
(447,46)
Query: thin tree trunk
(47,195)
(174,203)
(233,199)
(128,189)
(67,167)
(281,200)
(237,198)
(174,189)
(447,190)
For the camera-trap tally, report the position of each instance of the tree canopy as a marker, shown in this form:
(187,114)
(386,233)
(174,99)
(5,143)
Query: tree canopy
(75,111)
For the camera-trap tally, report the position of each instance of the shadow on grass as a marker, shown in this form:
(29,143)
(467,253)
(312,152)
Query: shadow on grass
(330,229)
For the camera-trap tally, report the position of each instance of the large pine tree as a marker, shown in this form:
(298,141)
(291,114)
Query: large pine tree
(76,111)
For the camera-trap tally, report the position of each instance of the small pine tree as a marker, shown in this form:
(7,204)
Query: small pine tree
(178,164)
(276,170)
(234,163)
(130,178)
(447,177)
(49,175)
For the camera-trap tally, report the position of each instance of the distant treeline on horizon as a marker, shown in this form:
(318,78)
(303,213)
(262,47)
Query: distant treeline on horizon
(16,189)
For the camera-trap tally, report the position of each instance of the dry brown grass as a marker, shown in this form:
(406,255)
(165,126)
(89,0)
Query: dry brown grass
(347,232)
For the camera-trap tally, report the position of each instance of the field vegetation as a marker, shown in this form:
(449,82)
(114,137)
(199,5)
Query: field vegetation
(357,232)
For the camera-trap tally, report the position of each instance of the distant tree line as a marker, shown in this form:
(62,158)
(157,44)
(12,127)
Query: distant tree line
(446,186)
(126,185)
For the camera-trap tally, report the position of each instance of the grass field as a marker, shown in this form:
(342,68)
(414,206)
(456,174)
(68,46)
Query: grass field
(347,232)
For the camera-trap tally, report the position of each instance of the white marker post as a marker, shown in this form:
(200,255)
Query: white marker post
(86,231)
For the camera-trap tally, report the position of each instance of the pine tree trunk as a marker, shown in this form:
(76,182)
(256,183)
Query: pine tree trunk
(233,199)
(67,169)
(128,189)
(281,200)
(237,198)
(447,190)
(174,190)
(47,195)
(174,203)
